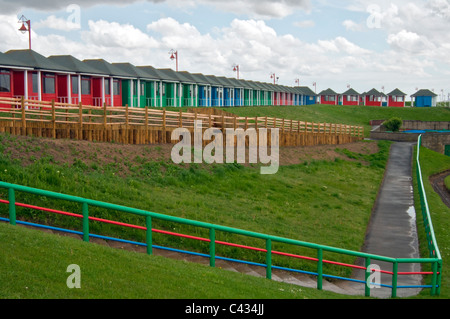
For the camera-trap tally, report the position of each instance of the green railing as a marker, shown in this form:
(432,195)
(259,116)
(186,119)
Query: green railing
(435,259)
(428,224)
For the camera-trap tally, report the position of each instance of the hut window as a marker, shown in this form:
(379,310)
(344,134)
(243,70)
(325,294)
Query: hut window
(49,84)
(5,81)
(34,82)
(74,85)
(116,87)
(107,87)
(85,86)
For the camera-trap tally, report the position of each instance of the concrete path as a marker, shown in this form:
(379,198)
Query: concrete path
(392,229)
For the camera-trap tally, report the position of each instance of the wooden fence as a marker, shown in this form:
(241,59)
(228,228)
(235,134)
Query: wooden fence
(152,126)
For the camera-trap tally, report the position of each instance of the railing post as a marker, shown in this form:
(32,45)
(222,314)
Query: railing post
(85,210)
(366,277)
(212,247)
(433,278)
(439,277)
(268,258)
(394,279)
(319,268)
(149,239)
(12,206)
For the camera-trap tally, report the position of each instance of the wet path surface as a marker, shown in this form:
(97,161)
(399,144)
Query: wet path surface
(392,230)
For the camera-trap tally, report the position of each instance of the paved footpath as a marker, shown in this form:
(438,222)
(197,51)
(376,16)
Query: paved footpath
(392,229)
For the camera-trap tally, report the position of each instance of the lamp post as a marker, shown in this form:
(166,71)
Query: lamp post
(297,81)
(24,29)
(174,55)
(236,69)
(274,77)
(315,87)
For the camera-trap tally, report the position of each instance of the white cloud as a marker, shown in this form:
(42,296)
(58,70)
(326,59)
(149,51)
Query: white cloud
(351,25)
(261,9)
(53,22)
(305,24)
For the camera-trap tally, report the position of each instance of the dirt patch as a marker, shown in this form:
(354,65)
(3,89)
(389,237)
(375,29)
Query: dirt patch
(298,155)
(437,181)
(70,152)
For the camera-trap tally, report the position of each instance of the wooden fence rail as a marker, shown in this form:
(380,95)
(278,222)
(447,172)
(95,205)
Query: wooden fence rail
(152,126)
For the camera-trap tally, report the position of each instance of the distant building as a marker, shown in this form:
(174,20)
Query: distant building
(328,97)
(396,98)
(374,98)
(349,97)
(424,98)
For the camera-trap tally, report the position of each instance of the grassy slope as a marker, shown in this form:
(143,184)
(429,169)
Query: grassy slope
(331,190)
(34,265)
(433,163)
(285,204)
(354,115)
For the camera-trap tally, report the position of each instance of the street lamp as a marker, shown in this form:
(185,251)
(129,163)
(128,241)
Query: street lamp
(297,81)
(236,69)
(174,55)
(274,77)
(24,29)
(315,87)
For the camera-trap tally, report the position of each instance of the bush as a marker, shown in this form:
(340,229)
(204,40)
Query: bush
(447,182)
(394,124)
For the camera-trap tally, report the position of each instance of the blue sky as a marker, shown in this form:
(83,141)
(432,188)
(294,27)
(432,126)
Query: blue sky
(362,43)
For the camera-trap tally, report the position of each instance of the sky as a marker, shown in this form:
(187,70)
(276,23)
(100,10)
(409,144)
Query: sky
(362,44)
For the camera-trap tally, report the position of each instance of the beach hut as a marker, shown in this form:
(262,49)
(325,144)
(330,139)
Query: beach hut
(424,98)
(228,91)
(170,84)
(190,91)
(216,91)
(396,98)
(40,81)
(238,91)
(79,86)
(329,97)
(374,98)
(306,96)
(254,93)
(203,90)
(11,87)
(349,97)
(154,89)
(137,91)
(109,87)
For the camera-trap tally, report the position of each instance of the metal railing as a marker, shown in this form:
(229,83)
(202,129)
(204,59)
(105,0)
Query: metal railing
(428,224)
(269,240)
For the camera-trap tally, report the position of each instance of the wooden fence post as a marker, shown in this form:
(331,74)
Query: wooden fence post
(53,120)
(80,122)
(146,125)
(164,126)
(24,122)
(127,135)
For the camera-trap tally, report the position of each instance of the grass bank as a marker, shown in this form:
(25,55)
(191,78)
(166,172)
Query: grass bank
(333,196)
(431,164)
(34,266)
(351,115)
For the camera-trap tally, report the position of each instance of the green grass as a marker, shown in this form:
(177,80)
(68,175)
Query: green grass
(351,115)
(433,163)
(334,196)
(326,202)
(34,266)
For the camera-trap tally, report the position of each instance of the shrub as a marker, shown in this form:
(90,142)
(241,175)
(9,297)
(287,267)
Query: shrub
(394,124)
